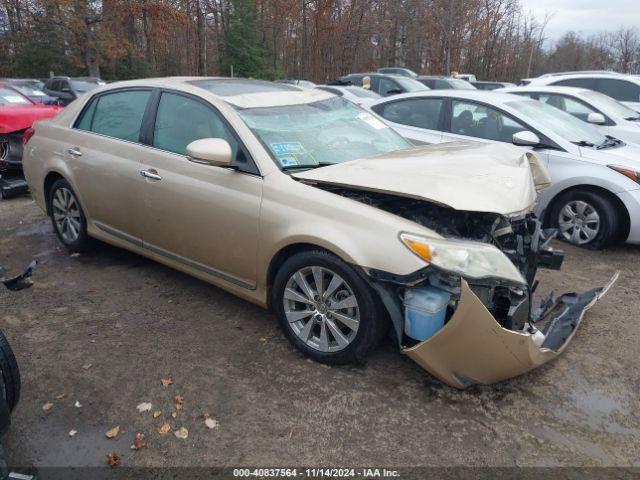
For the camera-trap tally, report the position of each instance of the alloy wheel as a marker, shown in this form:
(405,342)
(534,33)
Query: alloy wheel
(321,309)
(66,214)
(579,222)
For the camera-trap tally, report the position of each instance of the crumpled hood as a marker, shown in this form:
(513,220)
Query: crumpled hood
(494,178)
(19,117)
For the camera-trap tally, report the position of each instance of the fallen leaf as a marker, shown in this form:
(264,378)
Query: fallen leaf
(164,429)
(113,432)
(179,402)
(182,433)
(77,404)
(144,407)
(61,396)
(72,432)
(47,406)
(290,434)
(87,366)
(138,442)
(157,413)
(166,381)
(113,459)
(174,414)
(263,340)
(211,422)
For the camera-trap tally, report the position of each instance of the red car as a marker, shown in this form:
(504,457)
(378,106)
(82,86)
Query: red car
(17,114)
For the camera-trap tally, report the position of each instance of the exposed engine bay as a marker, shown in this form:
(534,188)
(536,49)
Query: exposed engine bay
(480,330)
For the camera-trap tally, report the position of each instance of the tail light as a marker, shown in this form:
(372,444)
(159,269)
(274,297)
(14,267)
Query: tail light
(26,136)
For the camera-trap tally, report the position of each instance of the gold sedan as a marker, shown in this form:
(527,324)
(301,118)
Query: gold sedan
(300,201)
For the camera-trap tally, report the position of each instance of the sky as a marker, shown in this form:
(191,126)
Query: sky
(586,16)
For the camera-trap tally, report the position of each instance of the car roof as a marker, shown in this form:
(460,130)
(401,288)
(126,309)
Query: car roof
(547,88)
(239,92)
(548,78)
(486,96)
(444,77)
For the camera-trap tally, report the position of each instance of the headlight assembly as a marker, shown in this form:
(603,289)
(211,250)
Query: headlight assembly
(633,175)
(468,259)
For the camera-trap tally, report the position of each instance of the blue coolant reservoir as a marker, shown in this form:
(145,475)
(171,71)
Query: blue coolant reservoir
(424,311)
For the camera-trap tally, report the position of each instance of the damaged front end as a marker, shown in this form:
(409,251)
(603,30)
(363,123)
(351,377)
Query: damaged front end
(475,294)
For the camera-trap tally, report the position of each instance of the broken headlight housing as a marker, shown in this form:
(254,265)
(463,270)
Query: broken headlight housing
(468,259)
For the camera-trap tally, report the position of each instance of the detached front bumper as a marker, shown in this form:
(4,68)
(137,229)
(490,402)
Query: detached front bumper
(473,348)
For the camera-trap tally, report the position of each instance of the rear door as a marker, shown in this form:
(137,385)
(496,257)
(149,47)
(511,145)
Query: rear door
(104,153)
(417,119)
(199,215)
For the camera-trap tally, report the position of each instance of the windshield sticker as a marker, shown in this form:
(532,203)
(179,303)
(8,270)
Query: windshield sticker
(287,161)
(292,153)
(372,121)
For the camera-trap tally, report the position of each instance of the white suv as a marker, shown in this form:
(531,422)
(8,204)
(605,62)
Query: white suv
(624,88)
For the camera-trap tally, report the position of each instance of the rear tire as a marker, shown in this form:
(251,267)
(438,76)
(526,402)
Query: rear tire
(339,320)
(67,216)
(10,373)
(586,219)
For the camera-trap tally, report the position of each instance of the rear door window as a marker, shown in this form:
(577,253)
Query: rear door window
(418,112)
(589,83)
(118,114)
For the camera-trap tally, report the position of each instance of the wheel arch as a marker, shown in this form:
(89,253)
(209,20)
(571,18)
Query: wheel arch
(51,177)
(625,224)
(285,253)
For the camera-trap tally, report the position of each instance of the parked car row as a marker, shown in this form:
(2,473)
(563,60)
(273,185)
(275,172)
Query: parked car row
(594,197)
(301,201)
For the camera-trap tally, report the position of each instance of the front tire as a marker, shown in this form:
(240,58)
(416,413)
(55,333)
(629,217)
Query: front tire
(67,216)
(586,219)
(326,309)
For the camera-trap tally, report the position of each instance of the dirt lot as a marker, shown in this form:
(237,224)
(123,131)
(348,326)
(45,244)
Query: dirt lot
(136,322)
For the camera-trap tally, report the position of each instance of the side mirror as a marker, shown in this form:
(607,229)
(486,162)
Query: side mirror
(525,139)
(210,151)
(596,118)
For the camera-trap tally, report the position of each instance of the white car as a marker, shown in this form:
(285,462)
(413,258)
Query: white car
(624,88)
(609,116)
(594,199)
(358,95)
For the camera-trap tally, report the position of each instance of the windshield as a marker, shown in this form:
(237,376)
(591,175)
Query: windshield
(560,123)
(84,85)
(325,132)
(461,84)
(362,92)
(411,85)
(610,106)
(30,90)
(11,97)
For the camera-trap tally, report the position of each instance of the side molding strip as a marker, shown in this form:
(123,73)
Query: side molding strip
(176,258)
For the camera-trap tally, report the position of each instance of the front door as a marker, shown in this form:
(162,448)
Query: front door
(203,216)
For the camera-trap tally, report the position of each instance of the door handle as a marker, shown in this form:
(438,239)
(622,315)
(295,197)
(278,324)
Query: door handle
(74,152)
(150,174)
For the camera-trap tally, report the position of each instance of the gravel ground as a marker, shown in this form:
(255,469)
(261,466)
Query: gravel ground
(136,322)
